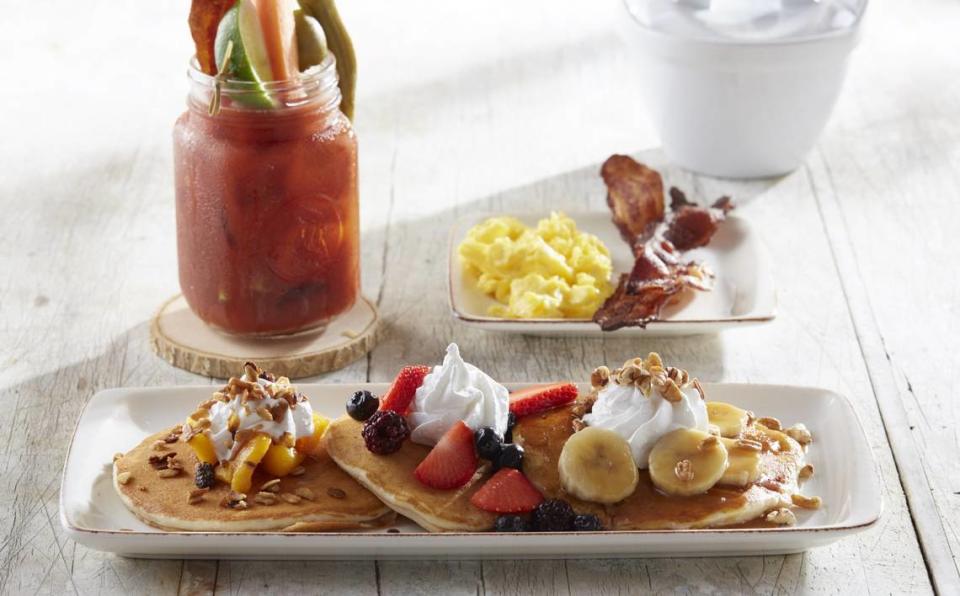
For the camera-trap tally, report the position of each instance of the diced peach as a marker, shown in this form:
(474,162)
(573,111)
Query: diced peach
(203,448)
(309,445)
(280,460)
(246,462)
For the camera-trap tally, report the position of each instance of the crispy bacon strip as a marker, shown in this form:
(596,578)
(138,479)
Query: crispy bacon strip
(634,194)
(205,16)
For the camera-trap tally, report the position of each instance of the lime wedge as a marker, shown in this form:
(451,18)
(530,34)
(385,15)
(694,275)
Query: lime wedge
(247,59)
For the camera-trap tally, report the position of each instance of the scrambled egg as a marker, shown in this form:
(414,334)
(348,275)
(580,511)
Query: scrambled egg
(551,271)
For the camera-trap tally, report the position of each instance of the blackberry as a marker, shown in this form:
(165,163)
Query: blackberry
(488,443)
(587,523)
(511,456)
(511,523)
(362,405)
(553,516)
(385,432)
(511,422)
(203,476)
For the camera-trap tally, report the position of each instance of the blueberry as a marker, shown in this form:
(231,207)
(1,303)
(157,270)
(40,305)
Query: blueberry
(511,456)
(362,405)
(511,422)
(488,443)
(511,523)
(587,523)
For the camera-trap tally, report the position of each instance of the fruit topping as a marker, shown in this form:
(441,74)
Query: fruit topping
(404,388)
(362,405)
(687,462)
(540,398)
(744,462)
(310,445)
(587,523)
(553,516)
(246,462)
(597,465)
(511,523)
(488,443)
(203,448)
(452,462)
(385,432)
(507,491)
(731,420)
(511,422)
(280,460)
(511,456)
(203,475)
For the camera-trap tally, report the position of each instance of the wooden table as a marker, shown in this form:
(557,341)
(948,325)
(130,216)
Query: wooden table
(468,106)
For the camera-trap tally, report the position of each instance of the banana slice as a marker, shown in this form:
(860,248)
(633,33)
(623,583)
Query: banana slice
(687,462)
(596,465)
(744,460)
(730,419)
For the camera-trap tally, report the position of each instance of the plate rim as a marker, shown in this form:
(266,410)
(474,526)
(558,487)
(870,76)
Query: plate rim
(587,324)
(879,507)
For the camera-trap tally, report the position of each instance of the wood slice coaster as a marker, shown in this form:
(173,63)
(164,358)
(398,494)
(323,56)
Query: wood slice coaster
(182,339)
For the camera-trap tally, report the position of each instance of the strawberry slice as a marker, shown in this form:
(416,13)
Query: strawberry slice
(540,398)
(508,491)
(400,395)
(452,461)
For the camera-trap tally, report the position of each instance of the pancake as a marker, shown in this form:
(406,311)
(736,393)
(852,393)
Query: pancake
(390,477)
(543,437)
(163,502)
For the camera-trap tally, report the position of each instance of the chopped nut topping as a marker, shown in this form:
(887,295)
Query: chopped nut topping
(161,462)
(699,388)
(782,516)
(251,372)
(678,375)
(336,493)
(200,414)
(298,471)
(195,496)
(290,498)
(117,456)
(159,445)
(234,500)
(600,377)
(684,470)
(279,411)
(578,425)
(806,502)
(168,472)
(709,443)
(713,429)
(264,498)
(264,413)
(304,493)
(749,444)
(671,392)
(124,477)
(805,472)
(202,424)
(799,433)
(173,437)
(142,488)
(771,484)
(271,486)
(771,423)
(187,432)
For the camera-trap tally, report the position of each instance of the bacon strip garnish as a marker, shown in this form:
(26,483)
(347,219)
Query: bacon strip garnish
(659,272)
(205,16)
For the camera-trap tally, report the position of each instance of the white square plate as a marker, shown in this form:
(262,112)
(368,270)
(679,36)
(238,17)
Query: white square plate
(743,293)
(118,419)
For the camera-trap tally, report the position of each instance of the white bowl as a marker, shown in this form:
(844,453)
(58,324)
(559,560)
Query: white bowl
(740,108)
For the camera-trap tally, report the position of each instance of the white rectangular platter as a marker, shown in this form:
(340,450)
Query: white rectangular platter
(743,294)
(116,420)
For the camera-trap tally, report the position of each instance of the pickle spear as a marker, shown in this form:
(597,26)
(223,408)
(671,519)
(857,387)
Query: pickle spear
(338,42)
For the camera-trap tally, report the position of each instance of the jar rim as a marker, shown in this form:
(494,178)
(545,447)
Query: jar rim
(322,75)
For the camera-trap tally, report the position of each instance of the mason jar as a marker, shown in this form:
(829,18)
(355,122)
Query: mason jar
(268,236)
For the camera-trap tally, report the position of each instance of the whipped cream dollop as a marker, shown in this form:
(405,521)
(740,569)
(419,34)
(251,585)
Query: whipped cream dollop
(456,391)
(294,416)
(642,419)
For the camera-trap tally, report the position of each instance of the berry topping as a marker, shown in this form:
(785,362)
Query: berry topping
(401,393)
(511,422)
(587,523)
(540,398)
(553,516)
(488,443)
(203,476)
(452,462)
(385,432)
(511,523)
(511,456)
(362,405)
(507,491)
